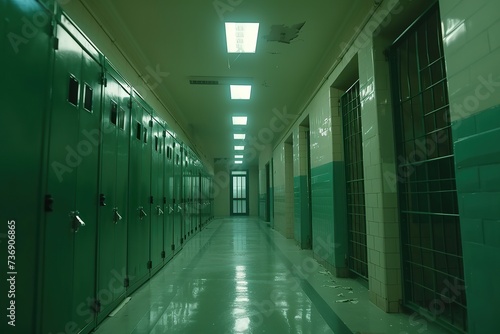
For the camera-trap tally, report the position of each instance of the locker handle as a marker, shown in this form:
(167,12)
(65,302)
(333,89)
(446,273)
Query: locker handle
(179,208)
(142,213)
(118,217)
(77,222)
(170,209)
(160,211)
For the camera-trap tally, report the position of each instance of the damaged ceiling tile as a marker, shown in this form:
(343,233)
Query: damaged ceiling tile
(283,34)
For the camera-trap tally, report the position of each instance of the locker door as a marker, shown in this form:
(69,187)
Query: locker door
(121,204)
(138,224)
(177,199)
(168,223)
(113,197)
(156,246)
(87,193)
(72,188)
(199,200)
(187,196)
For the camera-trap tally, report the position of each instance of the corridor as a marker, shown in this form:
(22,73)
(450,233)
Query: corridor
(239,276)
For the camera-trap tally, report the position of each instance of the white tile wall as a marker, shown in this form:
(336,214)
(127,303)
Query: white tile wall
(300,151)
(283,189)
(471,32)
(320,120)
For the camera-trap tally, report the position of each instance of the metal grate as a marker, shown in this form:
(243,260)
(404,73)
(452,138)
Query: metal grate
(353,151)
(430,225)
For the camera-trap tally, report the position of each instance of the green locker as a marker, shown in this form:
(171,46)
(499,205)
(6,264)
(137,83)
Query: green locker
(197,198)
(113,195)
(168,184)
(187,194)
(139,192)
(205,200)
(72,184)
(177,199)
(157,165)
(25,82)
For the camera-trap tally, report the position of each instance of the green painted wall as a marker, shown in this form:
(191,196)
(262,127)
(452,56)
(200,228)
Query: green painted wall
(477,158)
(302,226)
(329,215)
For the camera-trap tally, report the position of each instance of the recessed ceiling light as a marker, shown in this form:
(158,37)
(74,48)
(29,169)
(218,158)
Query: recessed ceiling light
(239,136)
(238,156)
(238,162)
(240,92)
(241,37)
(239,120)
(239,148)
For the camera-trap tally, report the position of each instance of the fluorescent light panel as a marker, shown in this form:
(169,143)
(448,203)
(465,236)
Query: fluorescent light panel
(239,136)
(240,92)
(239,148)
(238,156)
(241,37)
(238,162)
(239,120)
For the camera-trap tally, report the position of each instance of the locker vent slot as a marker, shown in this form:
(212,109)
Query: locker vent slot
(114,112)
(138,131)
(145,135)
(121,119)
(73,91)
(87,104)
(156,143)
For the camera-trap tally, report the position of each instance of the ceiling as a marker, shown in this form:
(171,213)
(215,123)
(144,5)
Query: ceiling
(182,39)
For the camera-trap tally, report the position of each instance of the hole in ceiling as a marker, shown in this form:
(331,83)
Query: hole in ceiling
(284,34)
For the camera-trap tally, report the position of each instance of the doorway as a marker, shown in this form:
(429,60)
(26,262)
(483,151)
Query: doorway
(239,193)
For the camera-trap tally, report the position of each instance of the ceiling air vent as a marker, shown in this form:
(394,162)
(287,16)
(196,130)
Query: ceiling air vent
(217,81)
(204,82)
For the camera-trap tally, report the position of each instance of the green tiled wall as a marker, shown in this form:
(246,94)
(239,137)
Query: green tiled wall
(477,157)
(302,227)
(329,215)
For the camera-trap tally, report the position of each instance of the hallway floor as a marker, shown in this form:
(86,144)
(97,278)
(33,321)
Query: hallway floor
(239,276)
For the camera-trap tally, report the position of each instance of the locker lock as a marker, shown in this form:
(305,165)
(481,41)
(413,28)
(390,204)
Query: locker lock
(142,213)
(117,217)
(160,211)
(102,200)
(76,221)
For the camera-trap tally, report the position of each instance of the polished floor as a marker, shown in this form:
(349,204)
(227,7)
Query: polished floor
(240,276)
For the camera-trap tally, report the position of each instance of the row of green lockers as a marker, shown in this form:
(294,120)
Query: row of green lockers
(97,193)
